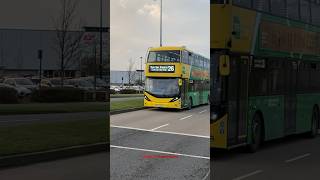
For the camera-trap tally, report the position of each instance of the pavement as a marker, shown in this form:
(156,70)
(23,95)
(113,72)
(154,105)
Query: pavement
(94,166)
(160,144)
(294,158)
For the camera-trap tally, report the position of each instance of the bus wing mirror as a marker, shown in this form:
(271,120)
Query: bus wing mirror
(180,82)
(224,65)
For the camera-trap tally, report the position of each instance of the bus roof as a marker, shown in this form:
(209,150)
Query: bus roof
(168,48)
(173,48)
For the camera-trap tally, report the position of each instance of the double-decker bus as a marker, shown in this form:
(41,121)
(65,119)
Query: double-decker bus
(265,77)
(176,78)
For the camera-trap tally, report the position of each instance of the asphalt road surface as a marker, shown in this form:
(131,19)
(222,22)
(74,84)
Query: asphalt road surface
(90,167)
(160,144)
(294,158)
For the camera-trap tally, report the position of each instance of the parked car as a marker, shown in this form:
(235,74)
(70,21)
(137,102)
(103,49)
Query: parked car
(116,89)
(21,83)
(100,84)
(53,82)
(21,91)
(80,83)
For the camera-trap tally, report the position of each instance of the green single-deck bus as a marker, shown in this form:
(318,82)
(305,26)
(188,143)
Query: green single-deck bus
(265,71)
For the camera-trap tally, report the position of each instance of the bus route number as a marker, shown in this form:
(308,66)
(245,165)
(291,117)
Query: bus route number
(162,68)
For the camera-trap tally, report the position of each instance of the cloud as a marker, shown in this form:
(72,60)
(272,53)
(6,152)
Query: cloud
(151,9)
(123,3)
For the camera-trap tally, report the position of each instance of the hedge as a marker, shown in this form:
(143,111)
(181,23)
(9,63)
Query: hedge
(8,95)
(58,95)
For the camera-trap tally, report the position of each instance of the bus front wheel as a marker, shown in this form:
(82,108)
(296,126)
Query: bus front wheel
(314,123)
(256,134)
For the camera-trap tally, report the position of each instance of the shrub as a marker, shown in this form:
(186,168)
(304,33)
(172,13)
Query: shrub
(8,95)
(58,95)
(112,91)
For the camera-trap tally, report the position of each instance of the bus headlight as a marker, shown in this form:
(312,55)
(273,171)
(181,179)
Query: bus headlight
(175,99)
(146,98)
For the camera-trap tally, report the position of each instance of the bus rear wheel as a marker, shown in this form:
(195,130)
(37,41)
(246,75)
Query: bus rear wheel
(314,123)
(256,134)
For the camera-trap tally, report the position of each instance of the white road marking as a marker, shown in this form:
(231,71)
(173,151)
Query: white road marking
(185,117)
(161,152)
(206,175)
(297,158)
(248,175)
(159,127)
(165,132)
(203,111)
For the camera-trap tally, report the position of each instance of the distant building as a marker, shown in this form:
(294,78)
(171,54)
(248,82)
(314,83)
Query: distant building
(122,77)
(19,48)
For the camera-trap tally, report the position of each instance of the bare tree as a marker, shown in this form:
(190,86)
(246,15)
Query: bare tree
(67,40)
(131,73)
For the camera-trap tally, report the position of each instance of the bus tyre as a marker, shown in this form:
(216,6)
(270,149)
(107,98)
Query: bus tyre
(190,104)
(314,123)
(256,134)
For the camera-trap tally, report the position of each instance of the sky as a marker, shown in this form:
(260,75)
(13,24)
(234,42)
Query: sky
(134,27)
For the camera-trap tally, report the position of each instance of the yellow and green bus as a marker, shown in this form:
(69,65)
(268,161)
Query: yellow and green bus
(176,78)
(265,72)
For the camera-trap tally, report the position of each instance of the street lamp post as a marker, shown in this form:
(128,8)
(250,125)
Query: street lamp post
(141,70)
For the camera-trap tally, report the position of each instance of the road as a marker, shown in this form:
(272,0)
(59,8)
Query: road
(55,117)
(93,167)
(160,144)
(293,158)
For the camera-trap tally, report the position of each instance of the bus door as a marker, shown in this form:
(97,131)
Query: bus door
(238,100)
(290,104)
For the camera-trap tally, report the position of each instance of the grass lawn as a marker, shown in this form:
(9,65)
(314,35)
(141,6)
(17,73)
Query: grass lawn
(129,104)
(47,108)
(47,136)
(125,95)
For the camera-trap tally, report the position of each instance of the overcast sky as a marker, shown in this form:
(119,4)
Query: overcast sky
(135,27)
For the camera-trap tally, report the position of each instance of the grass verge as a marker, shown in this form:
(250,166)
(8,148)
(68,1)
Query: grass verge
(129,104)
(47,108)
(47,136)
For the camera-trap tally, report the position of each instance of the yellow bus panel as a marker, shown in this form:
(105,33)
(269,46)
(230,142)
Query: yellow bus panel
(161,102)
